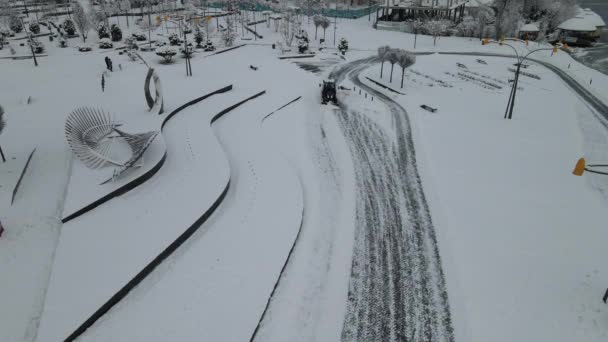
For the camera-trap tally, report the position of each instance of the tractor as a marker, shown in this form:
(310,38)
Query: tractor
(328,92)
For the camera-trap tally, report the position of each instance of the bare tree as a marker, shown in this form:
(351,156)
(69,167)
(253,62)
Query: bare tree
(317,19)
(416,27)
(392,57)
(404,59)
(81,20)
(2,125)
(382,51)
(325,24)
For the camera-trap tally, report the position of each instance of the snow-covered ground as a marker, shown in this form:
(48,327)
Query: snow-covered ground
(521,239)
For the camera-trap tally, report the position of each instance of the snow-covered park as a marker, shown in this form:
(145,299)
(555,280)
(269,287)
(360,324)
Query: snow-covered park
(217,192)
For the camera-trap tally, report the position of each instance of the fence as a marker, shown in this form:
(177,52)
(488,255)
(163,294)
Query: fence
(328,12)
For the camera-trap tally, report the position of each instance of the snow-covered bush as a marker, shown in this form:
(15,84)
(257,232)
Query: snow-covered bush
(63,43)
(35,27)
(68,27)
(116,33)
(174,39)
(166,52)
(36,45)
(15,24)
(102,31)
(139,36)
(131,43)
(199,37)
(105,43)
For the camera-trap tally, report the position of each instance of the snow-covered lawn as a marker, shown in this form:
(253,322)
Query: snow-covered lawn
(521,239)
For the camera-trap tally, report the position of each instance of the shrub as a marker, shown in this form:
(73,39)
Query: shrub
(102,31)
(15,25)
(105,43)
(35,27)
(69,28)
(116,33)
(174,39)
(166,52)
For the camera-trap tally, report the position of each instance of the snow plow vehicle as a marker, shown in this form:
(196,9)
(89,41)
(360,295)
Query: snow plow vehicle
(328,92)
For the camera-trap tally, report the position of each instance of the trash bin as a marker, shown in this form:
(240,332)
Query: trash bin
(274,46)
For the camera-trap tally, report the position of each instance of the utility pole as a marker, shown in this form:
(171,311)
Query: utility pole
(335,21)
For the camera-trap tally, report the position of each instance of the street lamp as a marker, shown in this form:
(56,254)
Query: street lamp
(581,167)
(520,60)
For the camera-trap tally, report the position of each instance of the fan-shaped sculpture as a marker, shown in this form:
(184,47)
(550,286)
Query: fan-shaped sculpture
(95,139)
(88,132)
(155,104)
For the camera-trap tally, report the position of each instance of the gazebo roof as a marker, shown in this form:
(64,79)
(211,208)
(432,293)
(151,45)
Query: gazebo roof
(581,24)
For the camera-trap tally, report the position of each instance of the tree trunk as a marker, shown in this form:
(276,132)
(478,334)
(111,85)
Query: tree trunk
(323,33)
(391,79)
(2,154)
(402,76)
(415,39)
(381,69)
(316,29)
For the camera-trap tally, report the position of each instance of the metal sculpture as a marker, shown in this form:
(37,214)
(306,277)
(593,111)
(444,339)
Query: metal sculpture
(94,137)
(155,104)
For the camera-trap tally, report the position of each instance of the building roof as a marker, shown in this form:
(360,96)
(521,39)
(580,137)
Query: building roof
(529,28)
(577,24)
(592,17)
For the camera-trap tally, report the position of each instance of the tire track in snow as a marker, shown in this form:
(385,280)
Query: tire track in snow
(397,290)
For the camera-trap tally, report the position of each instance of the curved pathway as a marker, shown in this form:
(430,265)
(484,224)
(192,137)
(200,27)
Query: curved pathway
(397,290)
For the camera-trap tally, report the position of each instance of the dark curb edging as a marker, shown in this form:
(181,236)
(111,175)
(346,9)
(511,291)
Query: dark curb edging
(383,86)
(148,174)
(225,50)
(278,109)
(298,56)
(149,268)
(293,246)
(18,184)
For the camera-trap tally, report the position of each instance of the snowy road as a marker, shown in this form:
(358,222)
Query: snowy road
(397,290)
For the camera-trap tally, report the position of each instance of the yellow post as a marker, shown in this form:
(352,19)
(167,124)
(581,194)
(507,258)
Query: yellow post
(579,168)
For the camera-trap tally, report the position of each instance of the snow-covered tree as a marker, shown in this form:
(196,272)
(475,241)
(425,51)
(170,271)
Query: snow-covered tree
(102,31)
(68,27)
(436,28)
(81,20)
(468,27)
(229,35)
(417,26)
(35,27)
(325,22)
(508,17)
(392,57)
(290,25)
(404,59)
(483,16)
(317,19)
(116,33)
(382,52)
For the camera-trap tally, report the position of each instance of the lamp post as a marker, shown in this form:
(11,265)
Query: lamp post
(520,60)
